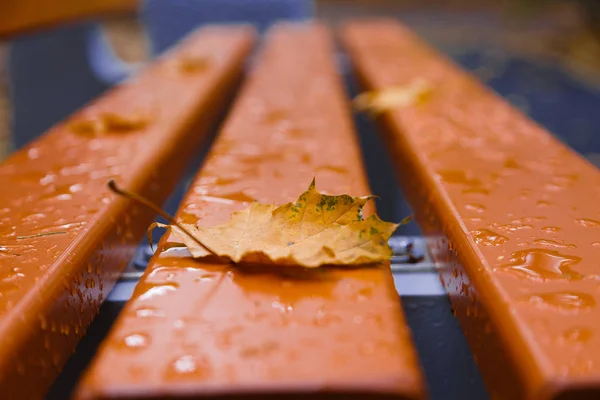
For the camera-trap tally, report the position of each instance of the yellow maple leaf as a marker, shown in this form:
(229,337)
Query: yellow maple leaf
(315,230)
(379,101)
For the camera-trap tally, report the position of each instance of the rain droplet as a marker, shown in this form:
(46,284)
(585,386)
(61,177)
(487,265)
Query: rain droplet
(284,308)
(576,334)
(333,168)
(511,227)
(551,229)
(155,291)
(475,207)
(553,187)
(274,116)
(136,341)
(458,177)
(511,163)
(262,349)
(185,364)
(476,190)
(48,179)
(218,200)
(588,223)
(542,264)
(525,220)
(189,366)
(323,318)
(577,367)
(175,252)
(567,301)
(553,243)
(367,348)
(179,324)
(487,237)
(33,153)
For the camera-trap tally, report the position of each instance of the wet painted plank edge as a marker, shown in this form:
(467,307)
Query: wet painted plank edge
(219,331)
(52,286)
(511,209)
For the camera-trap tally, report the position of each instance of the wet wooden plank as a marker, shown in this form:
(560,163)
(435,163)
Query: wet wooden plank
(18,16)
(198,330)
(63,237)
(511,210)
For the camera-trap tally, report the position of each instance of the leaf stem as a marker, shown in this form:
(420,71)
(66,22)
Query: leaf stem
(142,200)
(41,235)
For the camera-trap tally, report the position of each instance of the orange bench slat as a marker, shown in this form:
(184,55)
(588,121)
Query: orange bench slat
(519,211)
(18,16)
(51,286)
(199,330)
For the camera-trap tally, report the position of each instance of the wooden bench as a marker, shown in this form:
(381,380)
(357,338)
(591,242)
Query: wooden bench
(195,330)
(63,238)
(510,210)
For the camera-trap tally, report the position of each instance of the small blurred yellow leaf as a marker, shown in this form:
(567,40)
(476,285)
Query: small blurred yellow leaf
(378,101)
(108,123)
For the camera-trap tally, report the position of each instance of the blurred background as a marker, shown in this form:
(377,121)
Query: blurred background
(562,34)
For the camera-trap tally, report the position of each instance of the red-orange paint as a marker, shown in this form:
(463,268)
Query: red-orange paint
(520,211)
(52,286)
(212,330)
